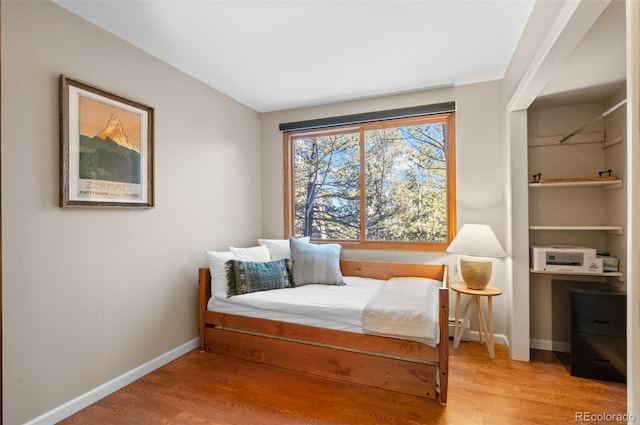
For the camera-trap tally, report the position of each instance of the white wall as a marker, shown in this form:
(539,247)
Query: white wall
(633,218)
(518,330)
(481,168)
(615,157)
(537,30)
(90,294)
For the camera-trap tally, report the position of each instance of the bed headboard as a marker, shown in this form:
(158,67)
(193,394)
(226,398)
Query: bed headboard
(386,270)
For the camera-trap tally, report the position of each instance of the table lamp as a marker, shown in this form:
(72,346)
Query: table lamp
(476,244)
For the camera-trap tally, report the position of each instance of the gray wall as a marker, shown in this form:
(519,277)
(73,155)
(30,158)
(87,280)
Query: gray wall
(481,167)
(90,294)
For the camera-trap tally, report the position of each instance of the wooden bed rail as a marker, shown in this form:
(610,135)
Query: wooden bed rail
(443,347)
(204,293)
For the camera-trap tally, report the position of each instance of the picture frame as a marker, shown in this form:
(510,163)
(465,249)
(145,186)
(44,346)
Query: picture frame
(106,149)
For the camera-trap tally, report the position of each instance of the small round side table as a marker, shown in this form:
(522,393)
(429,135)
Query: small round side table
(486,332)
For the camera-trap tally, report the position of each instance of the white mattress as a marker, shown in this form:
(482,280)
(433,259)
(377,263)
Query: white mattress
(327,306)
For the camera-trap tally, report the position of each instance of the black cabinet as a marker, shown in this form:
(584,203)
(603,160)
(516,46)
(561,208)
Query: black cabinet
(598,331)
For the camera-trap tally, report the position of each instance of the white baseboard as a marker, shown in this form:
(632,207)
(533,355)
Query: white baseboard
(548,345)
(465,332)
(69,408)
(469,335)
(497,338)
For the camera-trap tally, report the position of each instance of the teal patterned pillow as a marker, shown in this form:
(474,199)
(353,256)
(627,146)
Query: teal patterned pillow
(244,277)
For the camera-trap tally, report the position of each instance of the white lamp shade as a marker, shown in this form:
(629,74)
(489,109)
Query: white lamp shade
(477,240)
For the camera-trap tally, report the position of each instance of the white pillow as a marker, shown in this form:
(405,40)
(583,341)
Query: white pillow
(254,253)
(217,259)
(216,262)
(279,248)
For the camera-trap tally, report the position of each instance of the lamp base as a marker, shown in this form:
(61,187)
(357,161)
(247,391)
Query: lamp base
(476,273)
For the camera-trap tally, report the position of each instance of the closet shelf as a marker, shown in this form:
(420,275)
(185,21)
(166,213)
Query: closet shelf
(617,275)
(618,230)
(613,184)
(612,142)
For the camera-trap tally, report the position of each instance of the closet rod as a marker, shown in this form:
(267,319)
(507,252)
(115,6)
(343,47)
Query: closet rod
(598,118)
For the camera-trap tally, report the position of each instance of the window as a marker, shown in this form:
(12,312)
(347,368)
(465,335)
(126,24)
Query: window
(384,184)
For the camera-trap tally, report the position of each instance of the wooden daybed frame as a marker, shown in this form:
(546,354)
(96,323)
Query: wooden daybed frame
(394,364)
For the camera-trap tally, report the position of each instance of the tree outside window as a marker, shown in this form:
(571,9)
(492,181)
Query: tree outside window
(375,185)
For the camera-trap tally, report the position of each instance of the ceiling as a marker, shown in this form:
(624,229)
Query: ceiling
(275,55)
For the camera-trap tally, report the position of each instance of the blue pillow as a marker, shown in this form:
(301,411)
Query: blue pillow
(315,263)
(244,277)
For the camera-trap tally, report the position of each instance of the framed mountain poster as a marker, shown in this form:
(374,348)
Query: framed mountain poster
(106,148)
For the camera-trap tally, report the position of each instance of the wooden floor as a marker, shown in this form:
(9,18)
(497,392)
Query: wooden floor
(201,388)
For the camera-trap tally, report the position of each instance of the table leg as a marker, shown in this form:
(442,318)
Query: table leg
(490,319)
(467,315)
(482,329)
(457,328)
